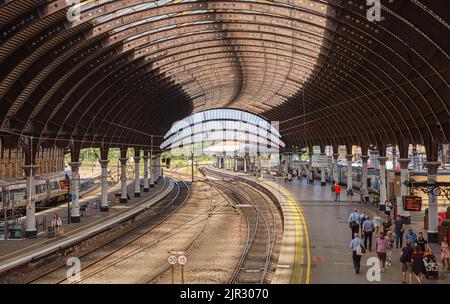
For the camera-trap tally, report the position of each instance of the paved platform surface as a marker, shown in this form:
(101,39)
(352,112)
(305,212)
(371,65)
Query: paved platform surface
(12,249)
(330,235)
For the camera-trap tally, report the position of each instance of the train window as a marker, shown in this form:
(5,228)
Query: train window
(54,186)
(39,189)
(17,194)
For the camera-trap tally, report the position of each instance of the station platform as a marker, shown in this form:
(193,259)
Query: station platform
(15,249)
(325,254)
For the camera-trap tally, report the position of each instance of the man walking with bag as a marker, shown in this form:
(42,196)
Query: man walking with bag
(357,247)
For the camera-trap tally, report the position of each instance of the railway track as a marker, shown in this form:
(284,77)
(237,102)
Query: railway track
(146,222)
(257,259)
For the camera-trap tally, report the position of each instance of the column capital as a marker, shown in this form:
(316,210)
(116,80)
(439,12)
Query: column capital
(74,165)
(364,158)
(382,160)
(104,162)
(432,166)
(404,162)
(137,158)
(123,161)
(349,157)
(146,158)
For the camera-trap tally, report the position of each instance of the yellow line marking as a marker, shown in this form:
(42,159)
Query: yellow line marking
(300,233)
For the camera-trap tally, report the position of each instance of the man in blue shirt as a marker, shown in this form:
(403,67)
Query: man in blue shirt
(354,244)
(399,228)
(368,228)
(410,237)
(354,221)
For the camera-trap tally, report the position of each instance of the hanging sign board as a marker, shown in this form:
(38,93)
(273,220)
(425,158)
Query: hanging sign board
(412,203)
(321,161)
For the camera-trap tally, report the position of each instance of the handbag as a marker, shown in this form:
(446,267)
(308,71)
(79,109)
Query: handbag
(359,250)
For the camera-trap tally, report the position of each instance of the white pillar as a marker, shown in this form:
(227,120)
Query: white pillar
(404,162)
(146,183)
(152,172)
(235,163)
(30,230)
(75,186)
(245,164)
(364,159)
(286,163)
(349,171)
(261,167)
(323,181)
(382,162)
(137,180)
(432,202)
(158,165)
(123,181)
(104,185)
(335,168)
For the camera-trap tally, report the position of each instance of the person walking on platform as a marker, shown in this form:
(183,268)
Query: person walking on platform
(390,245)
(377,222)
(367,229)
(57,225)
(445,254)
(405,259)
(357,247)
(422,242)
(387,224)
(381,249)
(362,218)
(388,208)
(418,267)
(353,222)
(399,229)
(410,237)
(337,190)
(350,194)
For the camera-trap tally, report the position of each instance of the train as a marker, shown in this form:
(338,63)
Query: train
(50,189)
(373,178)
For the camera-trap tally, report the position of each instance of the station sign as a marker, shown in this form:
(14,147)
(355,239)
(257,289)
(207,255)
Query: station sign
(412,203)
(321,161)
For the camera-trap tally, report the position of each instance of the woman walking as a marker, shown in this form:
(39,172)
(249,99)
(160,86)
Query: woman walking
(387,224)
(381,249)
(57,225)
(445,254)
(390,245)
(418,267)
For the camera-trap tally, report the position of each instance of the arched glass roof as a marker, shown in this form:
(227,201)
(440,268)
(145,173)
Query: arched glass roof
(252,132)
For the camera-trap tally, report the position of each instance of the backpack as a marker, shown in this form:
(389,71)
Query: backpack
(404,256)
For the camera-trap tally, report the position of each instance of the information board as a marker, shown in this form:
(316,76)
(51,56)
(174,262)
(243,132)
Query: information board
(412,203)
